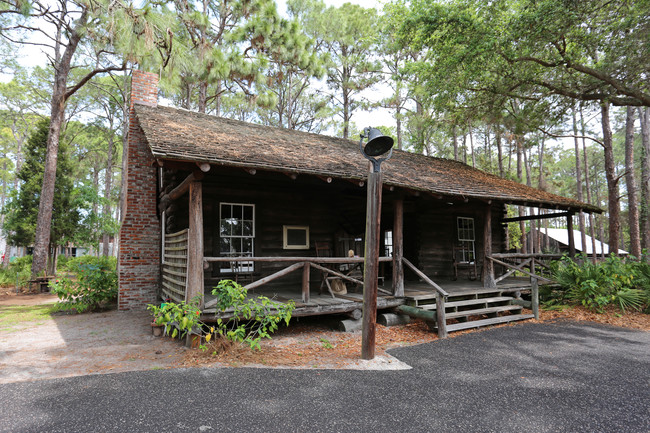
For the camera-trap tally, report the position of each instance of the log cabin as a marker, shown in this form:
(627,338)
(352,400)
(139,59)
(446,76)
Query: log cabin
(282,212)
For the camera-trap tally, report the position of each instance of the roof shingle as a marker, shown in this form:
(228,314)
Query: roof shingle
(187,136)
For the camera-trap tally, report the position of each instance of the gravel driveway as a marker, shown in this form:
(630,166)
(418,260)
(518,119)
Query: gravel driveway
(557,377)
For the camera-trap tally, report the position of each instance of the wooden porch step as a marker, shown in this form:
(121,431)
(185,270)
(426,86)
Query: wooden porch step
(481,311)
(467,302)
(487,322)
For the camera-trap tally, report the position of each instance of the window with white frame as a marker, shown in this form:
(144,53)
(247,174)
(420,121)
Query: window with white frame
(237,234)
(388,243)
(466,240)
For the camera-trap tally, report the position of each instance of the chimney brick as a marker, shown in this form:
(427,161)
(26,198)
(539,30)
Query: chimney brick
(140,238)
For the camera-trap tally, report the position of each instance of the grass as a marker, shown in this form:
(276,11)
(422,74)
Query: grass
(14,317)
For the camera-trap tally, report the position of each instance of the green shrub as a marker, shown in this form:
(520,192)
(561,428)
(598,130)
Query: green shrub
(93,286)
(178,319)
(76,264)
(253,318)
(596,285)
(17,273)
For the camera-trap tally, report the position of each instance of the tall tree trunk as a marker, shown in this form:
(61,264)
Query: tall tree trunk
(644,117)
(471,143)
(612,182)
(57,116)
(533,233)
(499,150)
(581,215)
(464,148)
(522,224)
(587,186)
(488,147)
(108,183)
(398,125)
(455,138)
(630,181)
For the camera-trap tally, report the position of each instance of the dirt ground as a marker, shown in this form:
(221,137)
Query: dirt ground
(48,346)
(40,345)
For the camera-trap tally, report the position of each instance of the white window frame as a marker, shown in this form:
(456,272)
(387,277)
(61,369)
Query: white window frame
(285,238)
(240,266)
(388,243)
(466,238)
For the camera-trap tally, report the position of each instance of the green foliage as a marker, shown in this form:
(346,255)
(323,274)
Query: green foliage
(253,319)
(78,264)
(17,273)
(178,319)
(93,285)
(596,286)
(23,206)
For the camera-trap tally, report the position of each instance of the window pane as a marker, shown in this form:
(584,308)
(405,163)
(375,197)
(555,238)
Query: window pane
(237,212)
(248,212)
(247,248)
(226,211)
(224,246)
(248,228)
(224,228)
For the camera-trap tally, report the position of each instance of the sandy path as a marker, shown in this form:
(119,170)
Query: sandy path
(73,345)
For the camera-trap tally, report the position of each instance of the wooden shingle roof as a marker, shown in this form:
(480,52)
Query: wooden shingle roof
(181,135)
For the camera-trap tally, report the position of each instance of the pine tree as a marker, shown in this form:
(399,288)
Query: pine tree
(22,209)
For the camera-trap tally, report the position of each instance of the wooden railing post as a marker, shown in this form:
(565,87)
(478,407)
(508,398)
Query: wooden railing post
(305,283)
(398,248)
(572,246)
(488,265)
(535,297)
(440,315)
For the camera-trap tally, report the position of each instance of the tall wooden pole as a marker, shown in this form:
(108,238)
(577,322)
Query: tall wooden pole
(398,248)
(572,245)
(371,265)
(195,245)
(488,265)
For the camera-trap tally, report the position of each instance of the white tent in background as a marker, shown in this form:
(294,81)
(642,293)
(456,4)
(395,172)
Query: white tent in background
(561,236)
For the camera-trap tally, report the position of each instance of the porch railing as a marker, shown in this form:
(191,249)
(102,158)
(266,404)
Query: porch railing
(533,265)
(307,263)
(296,263)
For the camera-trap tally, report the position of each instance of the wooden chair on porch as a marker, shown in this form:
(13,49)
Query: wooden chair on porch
(323,249)
(464,259)
(242,272)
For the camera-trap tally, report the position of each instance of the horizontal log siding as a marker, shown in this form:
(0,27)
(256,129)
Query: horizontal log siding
(436,221)
(279,200)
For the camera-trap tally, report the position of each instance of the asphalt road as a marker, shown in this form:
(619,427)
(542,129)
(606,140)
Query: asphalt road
(563,377)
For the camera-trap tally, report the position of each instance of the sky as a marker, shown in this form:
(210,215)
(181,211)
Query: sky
(31,56)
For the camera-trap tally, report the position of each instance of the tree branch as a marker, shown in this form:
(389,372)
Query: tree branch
(71,91)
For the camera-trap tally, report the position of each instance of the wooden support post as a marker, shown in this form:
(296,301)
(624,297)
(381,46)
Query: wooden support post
(534,295)
(440,315)
(398,248)
(569,225)
(195,245)
(371,265)
(488,265)
(305,282)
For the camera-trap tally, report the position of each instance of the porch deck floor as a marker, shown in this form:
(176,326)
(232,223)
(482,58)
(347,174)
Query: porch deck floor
(324,303)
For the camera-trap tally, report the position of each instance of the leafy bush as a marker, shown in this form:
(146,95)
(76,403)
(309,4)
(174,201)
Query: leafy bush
(596,285)
(76,264)
(17,273)
(93,285)
(177,318)
(253,318)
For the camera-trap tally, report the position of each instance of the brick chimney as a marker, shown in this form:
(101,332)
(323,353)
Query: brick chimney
(140,236)
(144,88)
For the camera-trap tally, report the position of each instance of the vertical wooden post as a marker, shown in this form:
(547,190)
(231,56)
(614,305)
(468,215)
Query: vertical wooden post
(195,245)
(398,248)
(371,265)
(440,315)
(305,282)
(488,265)
(569,225)
(535,297)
